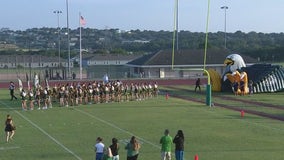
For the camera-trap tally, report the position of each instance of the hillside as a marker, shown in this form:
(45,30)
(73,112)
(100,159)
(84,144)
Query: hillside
(263,46)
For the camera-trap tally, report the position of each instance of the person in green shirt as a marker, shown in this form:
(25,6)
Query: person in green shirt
(166,141)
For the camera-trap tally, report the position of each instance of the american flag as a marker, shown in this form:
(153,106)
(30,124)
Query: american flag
(82,21)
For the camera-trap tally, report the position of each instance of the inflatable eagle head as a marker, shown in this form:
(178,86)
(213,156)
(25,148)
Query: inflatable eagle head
(233,63)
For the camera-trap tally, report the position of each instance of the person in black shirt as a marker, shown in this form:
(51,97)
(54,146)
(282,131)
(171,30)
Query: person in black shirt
(197,85)
(114,149)
(12,88)
(179,145)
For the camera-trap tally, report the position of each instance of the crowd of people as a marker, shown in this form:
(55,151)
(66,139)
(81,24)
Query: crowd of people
(77,93)
(72,94)
(133,146)
(111,152)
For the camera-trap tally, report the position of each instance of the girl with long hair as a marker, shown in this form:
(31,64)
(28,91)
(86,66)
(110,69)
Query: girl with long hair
(9,128)
(179,145)
(132,149)
(114,149)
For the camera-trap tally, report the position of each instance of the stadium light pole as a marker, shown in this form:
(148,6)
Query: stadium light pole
(57,12)
(225,25)
(177,3)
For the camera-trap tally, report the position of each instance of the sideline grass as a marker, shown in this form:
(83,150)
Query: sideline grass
(217,97)
(70,133)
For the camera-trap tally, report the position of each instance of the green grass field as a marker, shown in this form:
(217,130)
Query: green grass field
(214,133)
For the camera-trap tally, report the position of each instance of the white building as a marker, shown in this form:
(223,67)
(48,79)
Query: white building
(32,61)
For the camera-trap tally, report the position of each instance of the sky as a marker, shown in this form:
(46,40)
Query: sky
(266,16)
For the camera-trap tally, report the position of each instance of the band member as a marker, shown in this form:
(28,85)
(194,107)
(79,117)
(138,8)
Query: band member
(38,97)
(24,99)
(31,99)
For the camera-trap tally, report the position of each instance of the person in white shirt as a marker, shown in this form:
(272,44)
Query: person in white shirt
(99,148)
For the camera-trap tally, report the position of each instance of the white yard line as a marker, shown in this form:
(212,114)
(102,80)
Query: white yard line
(8,148)
(44,132)
(10,108)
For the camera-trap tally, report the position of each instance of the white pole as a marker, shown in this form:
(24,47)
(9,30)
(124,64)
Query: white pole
(68,41)
(80,46)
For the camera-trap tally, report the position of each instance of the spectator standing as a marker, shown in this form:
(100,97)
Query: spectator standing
(197,85)
(73,75)
(99,148)
(114,147)
(132,149)
(166,141)
(179,145)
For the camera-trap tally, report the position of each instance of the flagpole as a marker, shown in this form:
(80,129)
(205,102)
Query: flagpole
(80,45)
(68,41)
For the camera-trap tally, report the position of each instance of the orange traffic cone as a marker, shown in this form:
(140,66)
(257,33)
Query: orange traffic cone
(196,157)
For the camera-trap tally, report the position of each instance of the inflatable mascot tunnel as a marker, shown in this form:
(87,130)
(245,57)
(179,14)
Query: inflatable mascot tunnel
(256,78)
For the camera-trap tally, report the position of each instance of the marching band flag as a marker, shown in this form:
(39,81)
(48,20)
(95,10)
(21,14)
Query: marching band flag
(20,85)
(82,21)
(46,83)
(36,81)
(27,77)
(29,86)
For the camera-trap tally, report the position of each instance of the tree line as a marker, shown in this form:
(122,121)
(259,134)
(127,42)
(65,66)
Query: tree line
(263,46)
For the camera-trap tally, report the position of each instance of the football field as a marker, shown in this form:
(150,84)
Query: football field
(66,133)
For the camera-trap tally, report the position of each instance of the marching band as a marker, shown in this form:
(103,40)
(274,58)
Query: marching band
(74,94)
